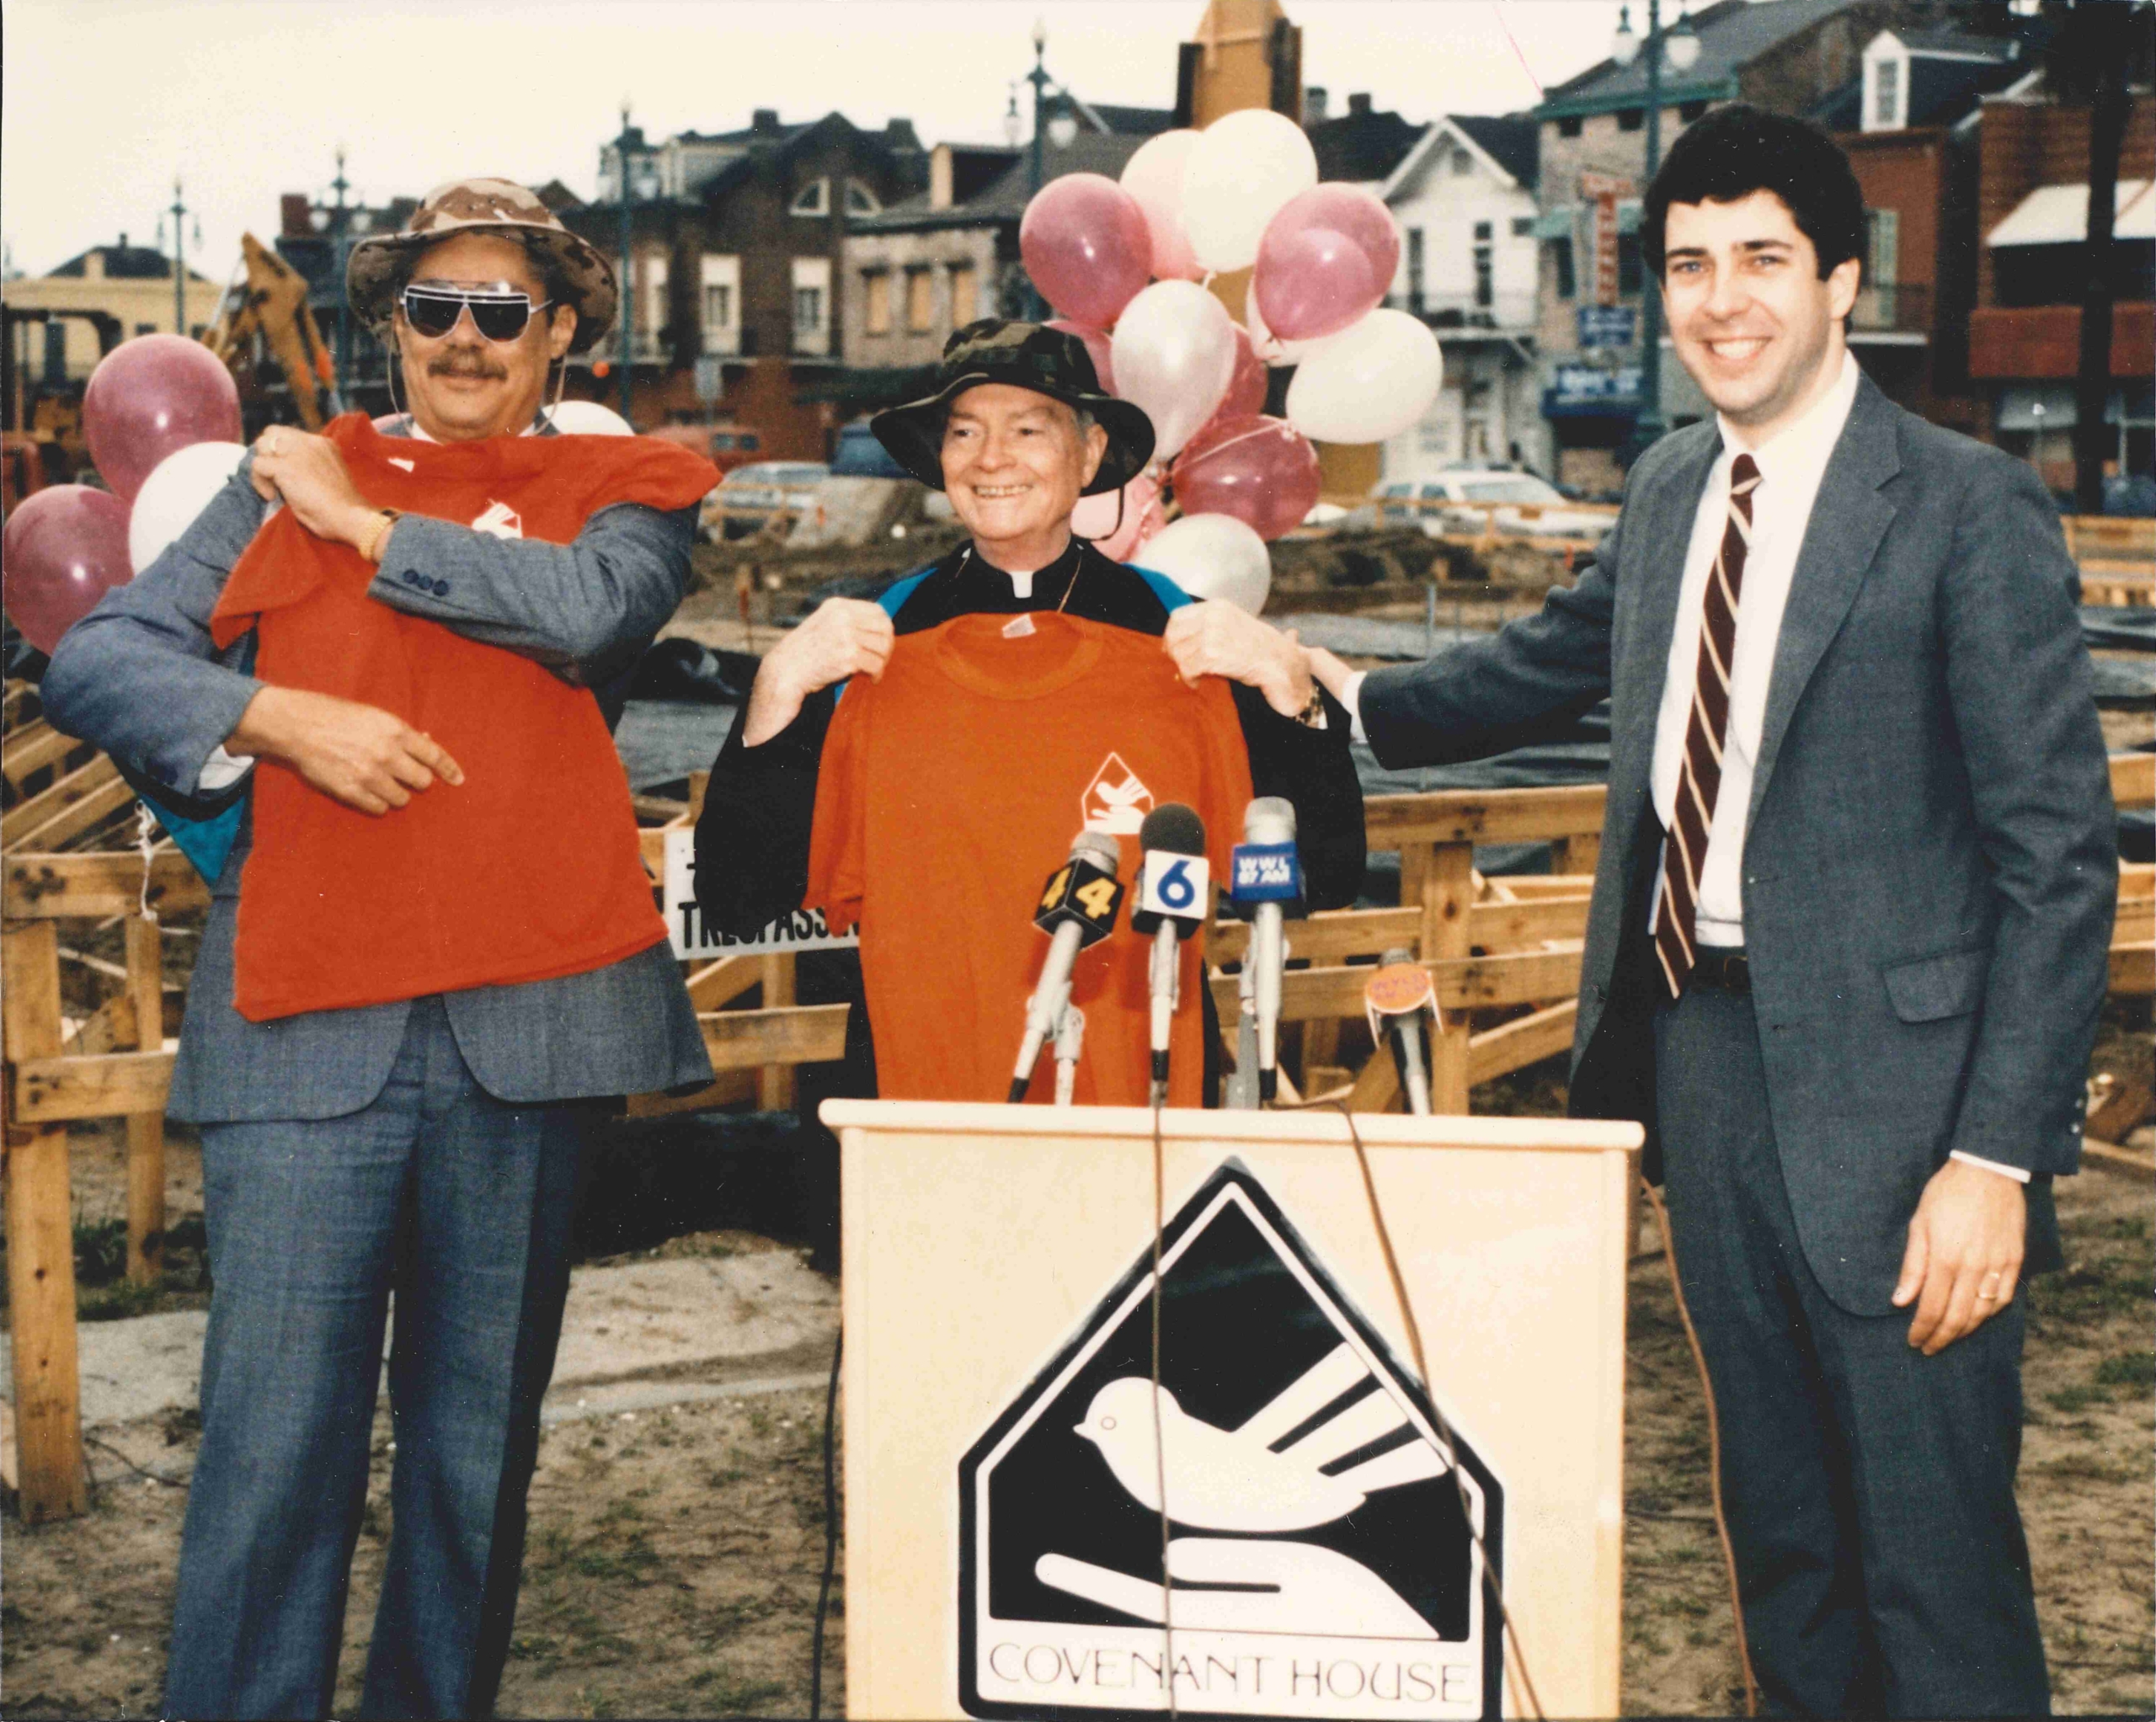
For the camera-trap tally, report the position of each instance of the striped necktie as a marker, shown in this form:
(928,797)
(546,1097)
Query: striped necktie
(1685,849)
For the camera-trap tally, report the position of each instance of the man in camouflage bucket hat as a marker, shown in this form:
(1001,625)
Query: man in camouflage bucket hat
(416,1137)
(1017,431)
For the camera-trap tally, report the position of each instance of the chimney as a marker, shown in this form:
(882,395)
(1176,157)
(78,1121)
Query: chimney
(763,122)
(292,210)
(123,242)
(939,177)
(1314,104)
(1358,105)
(93,264)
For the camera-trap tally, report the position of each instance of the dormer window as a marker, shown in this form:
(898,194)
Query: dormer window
(1885,84)
(813,199)
(860,200)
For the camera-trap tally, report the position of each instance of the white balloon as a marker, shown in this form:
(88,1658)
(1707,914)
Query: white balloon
(1367,383)
(1264,343)
(178,489)
(1211,556)
(1154,177)
(1173,354)
(1244,167)
(589,418)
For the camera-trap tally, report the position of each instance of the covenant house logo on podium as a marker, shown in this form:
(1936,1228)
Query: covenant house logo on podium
(1319,1560)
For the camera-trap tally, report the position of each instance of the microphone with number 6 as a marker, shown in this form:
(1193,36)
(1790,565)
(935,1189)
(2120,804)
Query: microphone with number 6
(1175,891)
(1077,908)
(1399,999)
(1265,881)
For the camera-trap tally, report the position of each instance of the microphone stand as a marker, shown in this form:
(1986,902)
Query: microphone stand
(1069,1043)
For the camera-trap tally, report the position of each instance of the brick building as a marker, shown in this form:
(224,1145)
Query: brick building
(735,294)
(2024,333)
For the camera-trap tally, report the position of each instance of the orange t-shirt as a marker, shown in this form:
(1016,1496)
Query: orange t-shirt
(529,869)
(948,793)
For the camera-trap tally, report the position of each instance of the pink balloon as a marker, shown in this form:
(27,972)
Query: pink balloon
(1262,471)
(1096,350)
(149,396)
(1085,244)
(1119,521)
(1326,259)
(65,547)
(1245,393)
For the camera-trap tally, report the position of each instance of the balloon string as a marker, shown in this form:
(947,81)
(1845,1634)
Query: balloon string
(1499,13)
(146,825)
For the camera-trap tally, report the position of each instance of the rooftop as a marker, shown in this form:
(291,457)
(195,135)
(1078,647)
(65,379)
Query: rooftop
(125,263)
(1732,34)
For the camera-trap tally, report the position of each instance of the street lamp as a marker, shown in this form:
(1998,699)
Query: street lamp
(179,213)
(646,185)
(1052,116)
(1680,46)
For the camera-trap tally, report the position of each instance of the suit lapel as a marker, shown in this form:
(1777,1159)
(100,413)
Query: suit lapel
(1848,519)
(1658,551)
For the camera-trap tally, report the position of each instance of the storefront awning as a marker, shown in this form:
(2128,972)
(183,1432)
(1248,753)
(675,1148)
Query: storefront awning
(2058,215)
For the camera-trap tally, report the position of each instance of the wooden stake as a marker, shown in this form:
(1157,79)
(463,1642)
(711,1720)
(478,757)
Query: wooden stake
(775,1086)
(145,1131)
(40,1247)
(1448,895)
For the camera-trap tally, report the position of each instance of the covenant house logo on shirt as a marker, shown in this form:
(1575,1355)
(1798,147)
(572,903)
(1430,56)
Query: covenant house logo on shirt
(1117,800)
(500,520)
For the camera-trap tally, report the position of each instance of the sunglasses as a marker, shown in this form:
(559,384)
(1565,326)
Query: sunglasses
(433,311)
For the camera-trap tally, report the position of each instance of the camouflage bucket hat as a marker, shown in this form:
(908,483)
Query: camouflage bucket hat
(1026,355)
(578,275)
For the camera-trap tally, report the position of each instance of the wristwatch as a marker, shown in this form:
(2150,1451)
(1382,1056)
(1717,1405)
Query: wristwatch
(1312,716)
(372,549)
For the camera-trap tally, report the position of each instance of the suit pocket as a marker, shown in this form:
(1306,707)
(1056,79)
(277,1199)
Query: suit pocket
(1932,988)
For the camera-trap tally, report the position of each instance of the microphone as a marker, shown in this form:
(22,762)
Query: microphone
(1077,908)
(1265,881)
(1174,894)
(1398,998)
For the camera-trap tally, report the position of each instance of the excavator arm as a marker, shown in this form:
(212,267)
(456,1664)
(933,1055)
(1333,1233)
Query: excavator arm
(271,301)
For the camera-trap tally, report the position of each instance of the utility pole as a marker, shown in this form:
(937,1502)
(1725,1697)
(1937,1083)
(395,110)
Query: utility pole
(340,247)
(2098,42)
(629,296)
(1682,47)
(179,213)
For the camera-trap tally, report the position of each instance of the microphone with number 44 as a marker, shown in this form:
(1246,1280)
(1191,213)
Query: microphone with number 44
(1401,1002)
(1175,893)
(1077,908)
(1265,883)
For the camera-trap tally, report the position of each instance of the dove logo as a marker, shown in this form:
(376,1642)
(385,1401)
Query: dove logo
(501,521)
(1117,800)
(1320,1560)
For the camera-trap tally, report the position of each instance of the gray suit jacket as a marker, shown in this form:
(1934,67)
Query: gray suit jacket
(1930,865)
(140,677)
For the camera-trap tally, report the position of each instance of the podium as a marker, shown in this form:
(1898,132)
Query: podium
(1338,1528)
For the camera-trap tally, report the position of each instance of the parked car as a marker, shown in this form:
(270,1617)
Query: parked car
(767,495)
(726,446)
(1464,502)
(858,455)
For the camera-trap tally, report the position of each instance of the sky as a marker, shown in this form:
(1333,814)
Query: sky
(104,102)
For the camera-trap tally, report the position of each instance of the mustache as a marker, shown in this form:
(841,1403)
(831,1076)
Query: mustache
(463,364)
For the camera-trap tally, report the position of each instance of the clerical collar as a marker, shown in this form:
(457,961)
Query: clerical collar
(1022,579)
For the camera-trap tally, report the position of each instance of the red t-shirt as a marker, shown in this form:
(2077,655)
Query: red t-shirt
(948,793)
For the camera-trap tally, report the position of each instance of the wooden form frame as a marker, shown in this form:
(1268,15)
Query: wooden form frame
(2116,556)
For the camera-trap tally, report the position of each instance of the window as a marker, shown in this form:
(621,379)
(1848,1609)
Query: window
(1631,119)
(56,352)
(965,295)
(1484,296)
(146,329)
(199,330)
(813,199)
(1482,230)
(860,200)
(1560,253)
(1463,164)
(1414,268)
(1628,264)
(1876,305)
(1523,227)
(720,279)
(1569,126)
(875,301)
(812,305)
(1886,95)
(921,300)
(655,312)
(1689,111)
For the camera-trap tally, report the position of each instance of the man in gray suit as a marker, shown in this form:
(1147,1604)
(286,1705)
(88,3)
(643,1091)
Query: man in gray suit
(1848,940)
(425,1146)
